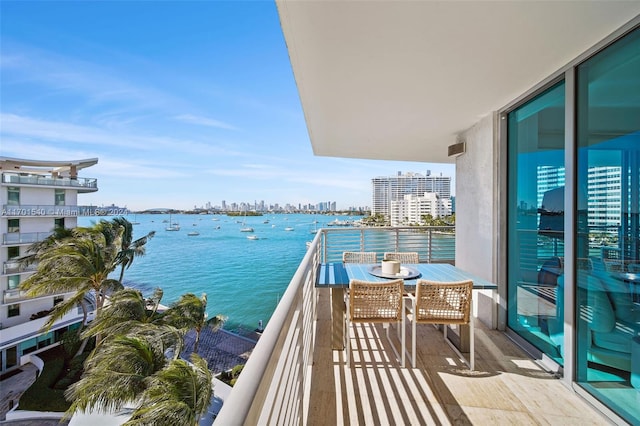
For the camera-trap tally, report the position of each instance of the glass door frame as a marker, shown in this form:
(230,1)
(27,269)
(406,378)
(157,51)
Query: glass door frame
(568,74)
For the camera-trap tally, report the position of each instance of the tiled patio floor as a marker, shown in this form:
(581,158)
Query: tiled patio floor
(507,387)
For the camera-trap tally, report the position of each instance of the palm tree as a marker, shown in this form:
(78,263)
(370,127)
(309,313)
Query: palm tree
(191,312)
(129,313)
(116,374)
(177,395)
(133,370)
(58,235)
(129,248)
(79,264)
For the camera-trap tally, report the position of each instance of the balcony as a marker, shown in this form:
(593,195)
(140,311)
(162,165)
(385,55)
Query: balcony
(80,184)
(294,377)
(14,295)
(17,238)
(14,267)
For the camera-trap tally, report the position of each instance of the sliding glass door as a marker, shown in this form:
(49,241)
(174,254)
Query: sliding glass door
(536,238)
(608,169)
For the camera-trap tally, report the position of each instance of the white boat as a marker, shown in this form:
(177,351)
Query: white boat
(173,226)
(253,237)
(245,228)
(288,228)
(193,233)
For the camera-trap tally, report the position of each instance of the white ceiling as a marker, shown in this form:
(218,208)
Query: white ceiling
(397,80)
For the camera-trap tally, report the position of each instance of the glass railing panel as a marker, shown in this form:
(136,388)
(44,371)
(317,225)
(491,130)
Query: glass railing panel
(15,267)
(433,244)
(24,237)
(50,181)
(13,295)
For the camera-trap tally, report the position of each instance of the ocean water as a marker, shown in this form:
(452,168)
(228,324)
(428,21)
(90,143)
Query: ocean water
(243,279)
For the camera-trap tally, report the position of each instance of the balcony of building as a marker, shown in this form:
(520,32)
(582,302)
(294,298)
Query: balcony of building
(82,185)
(23,238)
(294,375)
(11,267)
(13,295)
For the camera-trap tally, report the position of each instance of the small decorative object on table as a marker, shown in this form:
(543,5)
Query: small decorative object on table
(390,267)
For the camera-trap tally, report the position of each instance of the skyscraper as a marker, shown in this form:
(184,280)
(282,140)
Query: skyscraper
(386,189)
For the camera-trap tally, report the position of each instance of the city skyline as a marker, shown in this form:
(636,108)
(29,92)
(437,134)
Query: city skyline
(185,103)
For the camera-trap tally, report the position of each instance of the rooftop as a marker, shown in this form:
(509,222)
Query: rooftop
(20,165)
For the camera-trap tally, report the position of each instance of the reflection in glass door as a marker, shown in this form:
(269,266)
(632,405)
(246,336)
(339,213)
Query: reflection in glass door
(536,171)
(608,168)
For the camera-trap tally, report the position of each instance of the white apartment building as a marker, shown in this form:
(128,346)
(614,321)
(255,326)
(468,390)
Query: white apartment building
(386,189)
(412,208)
(35,197)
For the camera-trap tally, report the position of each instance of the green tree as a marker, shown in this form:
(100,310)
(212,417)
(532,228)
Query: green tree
(129,313)
(177,395)
(129,248)
(78,264)
(190,312)
(58,235)
(133,370)
(116,374)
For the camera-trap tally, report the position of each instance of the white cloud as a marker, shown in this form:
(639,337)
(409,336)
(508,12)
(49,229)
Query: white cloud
(204,121)
(31,129)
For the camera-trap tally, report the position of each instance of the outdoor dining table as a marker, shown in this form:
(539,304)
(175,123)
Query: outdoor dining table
(336,276)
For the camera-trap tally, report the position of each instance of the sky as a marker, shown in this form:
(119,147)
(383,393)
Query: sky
(183,103)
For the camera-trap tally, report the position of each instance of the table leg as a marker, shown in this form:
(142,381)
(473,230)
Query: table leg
(337,318)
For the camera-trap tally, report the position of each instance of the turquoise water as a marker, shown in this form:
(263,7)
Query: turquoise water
(243,278)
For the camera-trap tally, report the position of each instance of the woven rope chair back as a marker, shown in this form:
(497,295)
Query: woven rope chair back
(443,302)
(403,257)
(359,257)
(375,301)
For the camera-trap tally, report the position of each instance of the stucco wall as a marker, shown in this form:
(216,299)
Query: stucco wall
(476,182)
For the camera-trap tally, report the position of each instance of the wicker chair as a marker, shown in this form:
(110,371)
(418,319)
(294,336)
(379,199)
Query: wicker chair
(403,257)
(360,257)
(442,303)
(376,302)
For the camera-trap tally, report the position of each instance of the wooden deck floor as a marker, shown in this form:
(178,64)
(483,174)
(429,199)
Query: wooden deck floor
(507,387)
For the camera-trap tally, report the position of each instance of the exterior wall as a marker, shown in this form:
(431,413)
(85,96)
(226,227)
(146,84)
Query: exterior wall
(476,188)
(27,308)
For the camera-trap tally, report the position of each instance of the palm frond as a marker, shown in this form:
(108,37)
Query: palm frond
(179,393)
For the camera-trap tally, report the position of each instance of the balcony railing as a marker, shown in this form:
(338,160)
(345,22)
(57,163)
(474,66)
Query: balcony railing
(433,244)
(274,385)
(81,184)
(13,296)
(24,237)
(14,267)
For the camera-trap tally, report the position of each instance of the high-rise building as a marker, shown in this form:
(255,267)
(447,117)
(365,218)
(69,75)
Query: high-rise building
(393,188)
(412,208)
(36,197)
